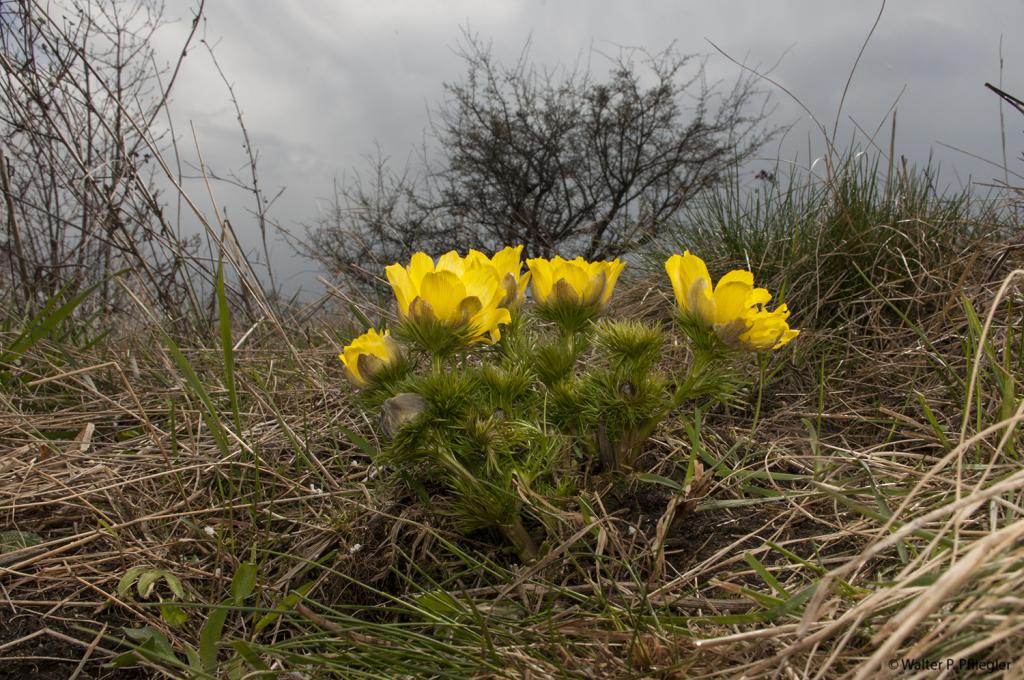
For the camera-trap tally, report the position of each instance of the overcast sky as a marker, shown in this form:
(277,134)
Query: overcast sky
(321,81)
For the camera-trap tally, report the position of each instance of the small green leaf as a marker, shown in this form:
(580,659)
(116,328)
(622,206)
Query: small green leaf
(174,615)
(243,582)
(766,575)
(125,660)
(652,478)
(193,658)
(147,581)
(151,638)
(209,636)
(174,583)
(124,586)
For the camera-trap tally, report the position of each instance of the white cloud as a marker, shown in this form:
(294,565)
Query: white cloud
(319,81)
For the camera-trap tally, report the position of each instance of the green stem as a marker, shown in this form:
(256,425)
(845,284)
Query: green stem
(571,346)
(683,391)
(514,532)
(760,393)
(520,539)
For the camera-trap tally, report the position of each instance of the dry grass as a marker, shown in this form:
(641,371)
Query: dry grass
(853,524)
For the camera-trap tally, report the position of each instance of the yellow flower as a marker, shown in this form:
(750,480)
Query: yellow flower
(365,356)
(455,292)
(733,307)
(506,263)
(588,284)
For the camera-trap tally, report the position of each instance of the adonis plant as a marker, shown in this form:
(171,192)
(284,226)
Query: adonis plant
(498,406)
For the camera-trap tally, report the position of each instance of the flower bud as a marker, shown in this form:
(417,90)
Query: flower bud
(399,410)
(365,356)
(588,284)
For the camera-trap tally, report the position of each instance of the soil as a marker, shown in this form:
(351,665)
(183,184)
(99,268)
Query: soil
(698,535)
(46,657)
(695,536)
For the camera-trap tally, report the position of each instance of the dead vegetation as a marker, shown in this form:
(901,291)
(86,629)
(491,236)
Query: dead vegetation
(867,516)
(197,503)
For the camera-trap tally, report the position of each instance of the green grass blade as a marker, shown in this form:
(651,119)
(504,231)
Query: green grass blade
(44,323)
(361,443)
(936,426)
(192,378)
(227,346)
(765,575)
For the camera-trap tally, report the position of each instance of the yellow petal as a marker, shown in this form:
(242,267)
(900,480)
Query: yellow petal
(419,266)
(595,287)
(523,281)
(483,282)
(674,269)
(730,297)
(402,286)
(486,324)
(787,335)
(692,269)
(576,277)
(612,271)
(696,281)
(444,291)
(350,358)
(367,354)
(759,296)
(540,269)
(506,260)
(700,302)
(452,262)
(738,276)
(474,258)
(380,345)
(468,308)
(768,330)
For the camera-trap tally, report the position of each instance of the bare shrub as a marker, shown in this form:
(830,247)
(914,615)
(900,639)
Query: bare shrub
(80,94)
(555,160)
